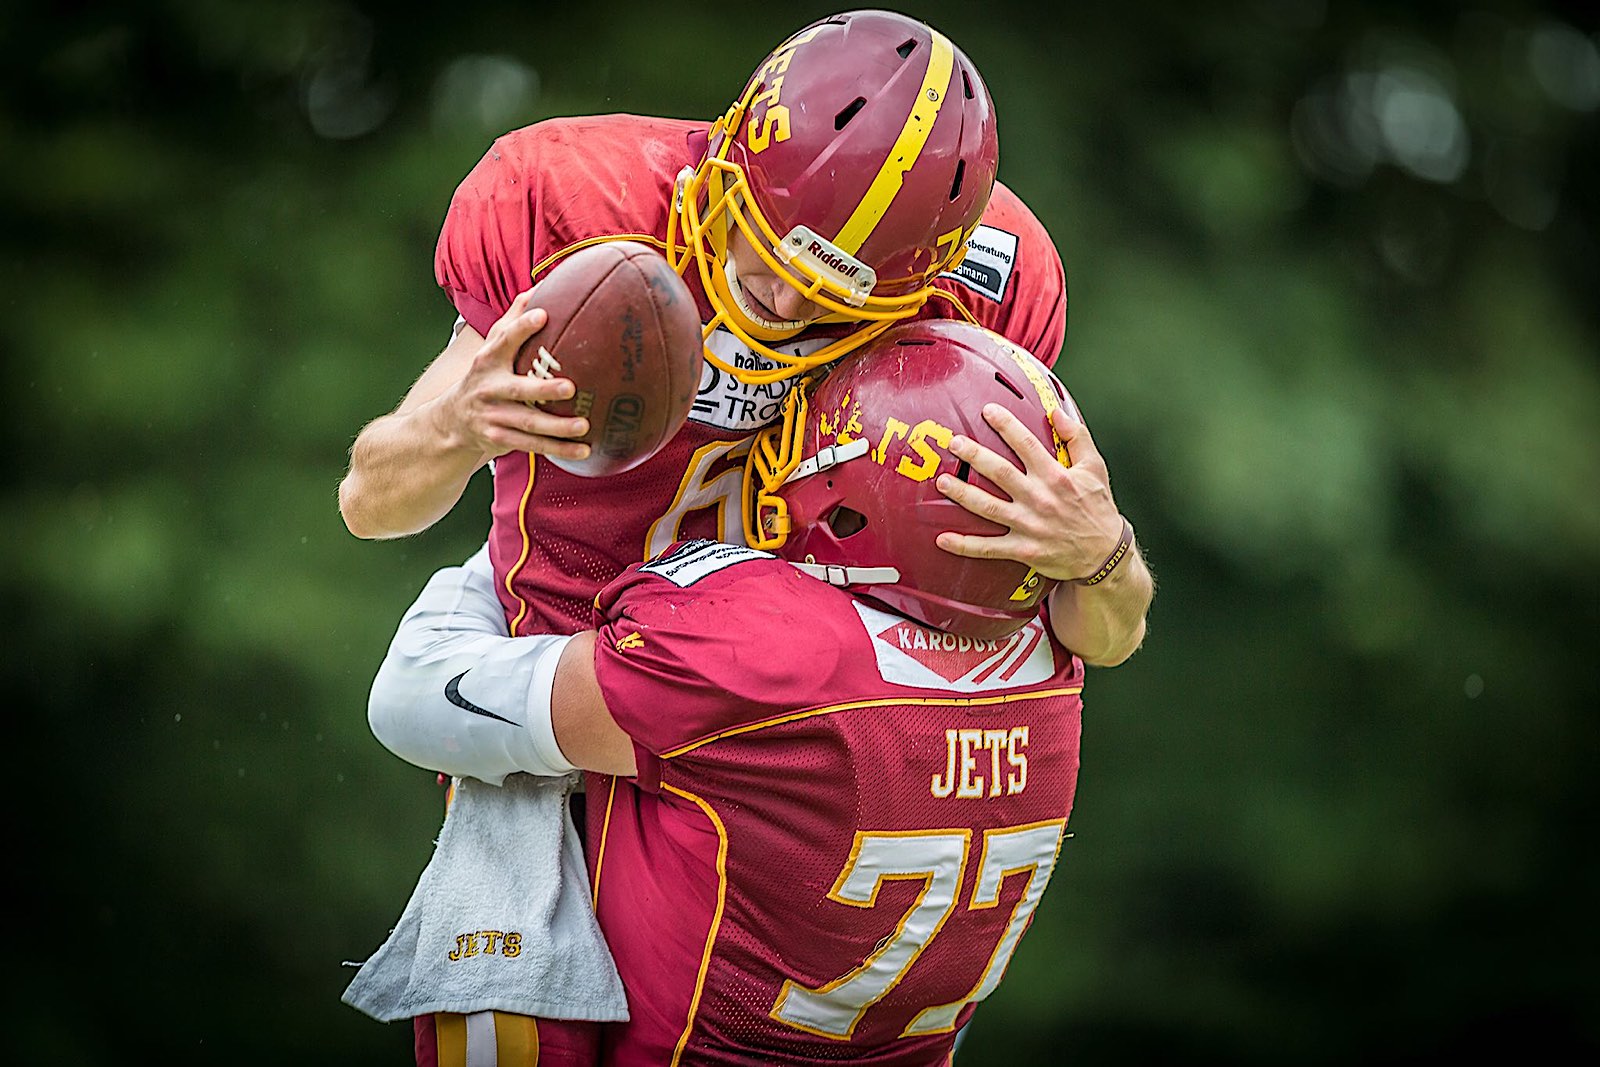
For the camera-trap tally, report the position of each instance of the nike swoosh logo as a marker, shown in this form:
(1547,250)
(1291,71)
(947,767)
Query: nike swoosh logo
(452,693)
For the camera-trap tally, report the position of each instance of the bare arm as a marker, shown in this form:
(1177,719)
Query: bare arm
(1105,623)
(585,730)
(409,467)
(1062,521)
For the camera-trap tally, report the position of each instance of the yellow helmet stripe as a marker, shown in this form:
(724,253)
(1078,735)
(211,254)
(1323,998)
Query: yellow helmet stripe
(919,124)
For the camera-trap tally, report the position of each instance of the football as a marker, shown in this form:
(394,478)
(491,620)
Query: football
(624,327)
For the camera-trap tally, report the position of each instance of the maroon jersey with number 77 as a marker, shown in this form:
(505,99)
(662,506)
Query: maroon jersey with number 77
(842,822)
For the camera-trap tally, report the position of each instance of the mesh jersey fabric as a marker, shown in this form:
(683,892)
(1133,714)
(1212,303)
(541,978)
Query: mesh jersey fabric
(841,823)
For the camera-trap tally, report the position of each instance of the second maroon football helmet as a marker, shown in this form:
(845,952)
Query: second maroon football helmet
(845,486)
(856,163)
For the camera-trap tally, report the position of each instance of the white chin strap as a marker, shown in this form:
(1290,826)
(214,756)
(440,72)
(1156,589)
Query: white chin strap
(831,456)
(843,576)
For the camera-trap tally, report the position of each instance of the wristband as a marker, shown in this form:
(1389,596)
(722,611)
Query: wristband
(1124,543)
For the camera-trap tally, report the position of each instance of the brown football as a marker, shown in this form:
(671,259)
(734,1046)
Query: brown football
(624,327)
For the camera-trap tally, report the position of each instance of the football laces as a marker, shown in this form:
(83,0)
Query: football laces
(545,366)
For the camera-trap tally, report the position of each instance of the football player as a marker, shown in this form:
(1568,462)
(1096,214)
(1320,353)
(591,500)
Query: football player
(850,185)
(831,780)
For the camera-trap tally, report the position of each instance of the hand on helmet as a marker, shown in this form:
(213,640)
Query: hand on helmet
(1062,521)
(494,409)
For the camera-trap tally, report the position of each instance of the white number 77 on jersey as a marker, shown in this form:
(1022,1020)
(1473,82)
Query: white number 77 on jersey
(938,859)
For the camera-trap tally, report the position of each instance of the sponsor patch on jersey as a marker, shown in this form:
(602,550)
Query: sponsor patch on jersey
(693,560)
(729,404)
(991,257)
(916,655)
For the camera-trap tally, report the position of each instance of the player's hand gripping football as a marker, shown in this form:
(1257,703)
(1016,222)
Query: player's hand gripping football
(493,409)
(1062,521)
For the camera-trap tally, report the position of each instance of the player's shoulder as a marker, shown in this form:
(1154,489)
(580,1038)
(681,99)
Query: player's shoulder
(1011,278)
(704,584)
(578,157)
(711,637)
(1006,207)
(1009,241)
(593,137)
(542,189)
(728,621)
(1010,231)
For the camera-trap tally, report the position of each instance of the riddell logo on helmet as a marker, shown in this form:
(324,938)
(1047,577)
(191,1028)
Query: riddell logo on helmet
(843,267)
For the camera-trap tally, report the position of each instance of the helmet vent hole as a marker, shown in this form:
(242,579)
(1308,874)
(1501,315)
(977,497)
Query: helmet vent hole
(846,522)
(912,342)
(907,48)
(955,186)
(1007,383)
(962,470)
(842,119)
(966,85)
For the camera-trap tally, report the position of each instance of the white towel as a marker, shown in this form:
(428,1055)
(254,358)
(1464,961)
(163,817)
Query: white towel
(501,918)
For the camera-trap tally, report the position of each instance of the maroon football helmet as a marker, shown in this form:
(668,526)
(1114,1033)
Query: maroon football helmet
(856,162)
(845,486)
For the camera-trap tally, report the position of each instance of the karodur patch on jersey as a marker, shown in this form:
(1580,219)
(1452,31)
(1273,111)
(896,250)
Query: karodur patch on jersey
(910,653)
(991,257)
(693,560)
(726,402)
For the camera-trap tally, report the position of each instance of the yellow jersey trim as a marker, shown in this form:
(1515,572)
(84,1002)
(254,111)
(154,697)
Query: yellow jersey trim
(555,257)
(855,705)
(716,918)
(527,548)
(600,852)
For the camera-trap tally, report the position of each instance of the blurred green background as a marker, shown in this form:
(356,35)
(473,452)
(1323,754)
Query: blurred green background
(1334,319)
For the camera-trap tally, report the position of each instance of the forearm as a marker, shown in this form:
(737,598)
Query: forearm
(409,468)
(1104,623)
(405,474)
(456,694)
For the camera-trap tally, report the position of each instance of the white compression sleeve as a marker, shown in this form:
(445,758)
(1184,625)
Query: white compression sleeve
(456,694)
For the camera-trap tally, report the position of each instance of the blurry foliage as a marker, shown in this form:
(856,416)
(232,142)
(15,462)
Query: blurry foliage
(1334,322)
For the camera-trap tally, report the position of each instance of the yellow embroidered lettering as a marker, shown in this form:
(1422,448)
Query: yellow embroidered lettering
(994,741)
(971,785)
(946,787)
(1015,743)
(1007,764)
(509,943)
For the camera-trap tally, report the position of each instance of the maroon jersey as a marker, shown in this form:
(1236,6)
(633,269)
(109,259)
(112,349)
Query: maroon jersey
(556,538)
(842,820)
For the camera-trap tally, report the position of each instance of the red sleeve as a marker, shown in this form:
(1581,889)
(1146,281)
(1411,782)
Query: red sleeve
(738,643)
(545,187)
(484,257)
(1012,279)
